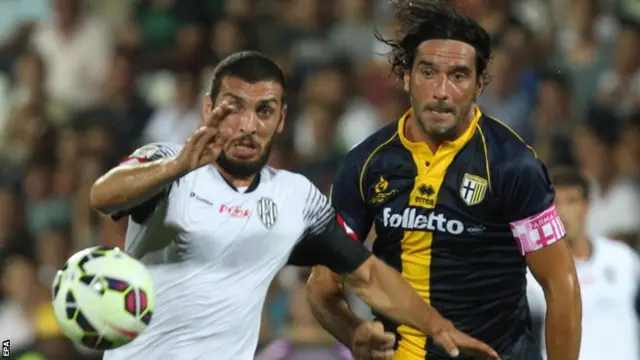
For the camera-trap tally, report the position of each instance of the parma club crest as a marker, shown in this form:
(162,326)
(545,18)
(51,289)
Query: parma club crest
(267,212)
(473,189)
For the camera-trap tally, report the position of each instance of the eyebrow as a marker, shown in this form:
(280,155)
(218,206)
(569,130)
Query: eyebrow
(265,101)
(454,68)
(268,100)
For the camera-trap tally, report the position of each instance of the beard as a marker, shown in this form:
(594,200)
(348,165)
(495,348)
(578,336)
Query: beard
(244,169)
(445,133)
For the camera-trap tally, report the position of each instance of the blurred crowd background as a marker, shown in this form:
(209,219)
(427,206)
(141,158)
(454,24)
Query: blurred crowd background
(82,83)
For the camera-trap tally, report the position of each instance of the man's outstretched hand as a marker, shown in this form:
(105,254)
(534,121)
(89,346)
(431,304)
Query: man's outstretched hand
(371,342)
(455,342)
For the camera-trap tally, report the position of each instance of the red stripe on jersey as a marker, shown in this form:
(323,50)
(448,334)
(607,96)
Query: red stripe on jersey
(134,160)
(346,227)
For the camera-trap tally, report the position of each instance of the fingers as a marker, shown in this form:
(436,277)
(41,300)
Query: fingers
(381,339)
(474,347)
(201,138)
(382,354)
(448,344)
(218,114)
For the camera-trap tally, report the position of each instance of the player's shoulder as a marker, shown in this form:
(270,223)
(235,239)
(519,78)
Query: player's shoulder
(158,149)
(509,155)
(293,182)
(362,152)
(505,143)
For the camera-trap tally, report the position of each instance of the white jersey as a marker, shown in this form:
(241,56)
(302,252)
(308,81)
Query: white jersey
(609,283)
(212,252)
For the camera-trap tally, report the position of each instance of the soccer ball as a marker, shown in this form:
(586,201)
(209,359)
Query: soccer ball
(102,298)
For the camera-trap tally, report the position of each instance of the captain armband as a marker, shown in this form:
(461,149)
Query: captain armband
(538,231)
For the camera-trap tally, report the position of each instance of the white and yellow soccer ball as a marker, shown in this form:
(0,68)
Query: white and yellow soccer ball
(103,298)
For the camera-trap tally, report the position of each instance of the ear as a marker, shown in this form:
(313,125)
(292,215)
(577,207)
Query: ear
(480,86)
(406,80)
(207,106)
(283,118)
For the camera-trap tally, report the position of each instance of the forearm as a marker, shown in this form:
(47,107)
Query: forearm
(130,185)
(563,326)
(333,313)
(389,293)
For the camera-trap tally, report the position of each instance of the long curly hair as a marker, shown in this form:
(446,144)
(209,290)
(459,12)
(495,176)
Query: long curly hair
(422,20)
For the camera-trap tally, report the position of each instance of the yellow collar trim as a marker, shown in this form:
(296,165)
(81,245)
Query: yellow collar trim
(456,144)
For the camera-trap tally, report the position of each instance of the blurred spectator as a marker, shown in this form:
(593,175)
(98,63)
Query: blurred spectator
(76,48)
(506,98)
(17,19)
(121,104)
(553,119)
(24,295)
(322,157)
(619,87)
(583,52)
(615,201)
(351,34)
(176,122)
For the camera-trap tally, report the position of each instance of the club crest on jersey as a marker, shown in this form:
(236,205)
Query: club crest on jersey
(473,189)
(267,212)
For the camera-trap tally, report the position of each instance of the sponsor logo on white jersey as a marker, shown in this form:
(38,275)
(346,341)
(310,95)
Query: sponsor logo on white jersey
(410,220)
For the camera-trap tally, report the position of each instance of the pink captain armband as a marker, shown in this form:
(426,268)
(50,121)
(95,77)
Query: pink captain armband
(537,231)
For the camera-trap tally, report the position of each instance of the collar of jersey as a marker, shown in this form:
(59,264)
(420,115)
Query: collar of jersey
(254,184)
(421,147)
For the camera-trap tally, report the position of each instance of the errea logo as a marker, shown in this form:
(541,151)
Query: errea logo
(410,220)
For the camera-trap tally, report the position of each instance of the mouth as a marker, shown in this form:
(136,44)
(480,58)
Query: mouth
(244,150)
(440,112)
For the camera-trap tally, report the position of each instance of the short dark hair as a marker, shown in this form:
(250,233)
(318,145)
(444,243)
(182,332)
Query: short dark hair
(569,176)
(250,66)
(603,123)
(558,77)
(422,20)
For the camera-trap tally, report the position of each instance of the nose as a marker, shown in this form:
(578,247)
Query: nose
(249,123)
(441,84)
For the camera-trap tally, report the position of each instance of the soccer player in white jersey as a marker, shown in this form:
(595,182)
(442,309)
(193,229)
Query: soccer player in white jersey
(608,272)
(214,225)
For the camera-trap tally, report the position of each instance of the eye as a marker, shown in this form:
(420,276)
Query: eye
(459,76)
(428,72)
(265,111)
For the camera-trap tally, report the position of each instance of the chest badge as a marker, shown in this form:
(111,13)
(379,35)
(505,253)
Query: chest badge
(382,192)
(473,189)
(267,212)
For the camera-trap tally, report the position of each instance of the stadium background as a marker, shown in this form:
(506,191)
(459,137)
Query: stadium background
(82,86)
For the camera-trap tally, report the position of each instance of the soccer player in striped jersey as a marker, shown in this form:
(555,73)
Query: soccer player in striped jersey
(214,225)
(459,203)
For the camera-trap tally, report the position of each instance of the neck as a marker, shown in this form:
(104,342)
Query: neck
(581,247)
(415,133)
(237,182)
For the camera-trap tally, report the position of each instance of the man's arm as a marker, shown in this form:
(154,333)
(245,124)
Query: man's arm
(538,231)
(329,305)
(381,287)
(140,177)
(554,269)
(325,288)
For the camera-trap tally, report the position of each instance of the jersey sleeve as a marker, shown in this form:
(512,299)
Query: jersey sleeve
(147,153)
(528,202)
(325,242)
(346,197)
